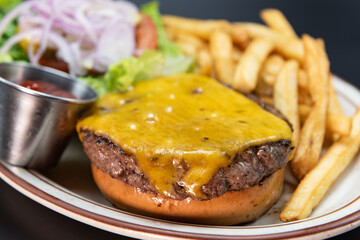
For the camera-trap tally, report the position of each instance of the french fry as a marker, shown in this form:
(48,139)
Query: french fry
(334,104)
(199,28)
(247,70)
(204,28)
(187,48)
(263,89)
(195,47)
(302,79)
(268,74)
(201,54)
(204,61)
(239,35)
(236,55)
(190,39)
(171,33)
(304,96)
(286,95)
(317,182)
(338,124)
(288,47)
(221,49)
(313,131)
(321,42)
(277,21)
(335,123)
(271,68)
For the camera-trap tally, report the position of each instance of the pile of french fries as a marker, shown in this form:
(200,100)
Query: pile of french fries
(293,74)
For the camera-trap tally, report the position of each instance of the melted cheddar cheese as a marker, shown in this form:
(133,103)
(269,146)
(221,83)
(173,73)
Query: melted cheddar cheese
(187,119)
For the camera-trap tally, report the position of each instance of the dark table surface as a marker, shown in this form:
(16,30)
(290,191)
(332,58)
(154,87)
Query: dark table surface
(337,22)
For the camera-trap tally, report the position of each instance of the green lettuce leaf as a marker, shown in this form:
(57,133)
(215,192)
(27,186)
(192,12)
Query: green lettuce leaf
(96,82)
(8,5)
(179,64)
(126,72)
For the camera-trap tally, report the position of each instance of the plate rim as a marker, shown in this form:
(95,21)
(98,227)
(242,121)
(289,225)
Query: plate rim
(337,226)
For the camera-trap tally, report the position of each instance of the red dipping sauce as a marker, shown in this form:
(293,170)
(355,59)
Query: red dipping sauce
(47,88)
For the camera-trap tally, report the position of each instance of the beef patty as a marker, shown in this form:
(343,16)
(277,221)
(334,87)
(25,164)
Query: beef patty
(247,169)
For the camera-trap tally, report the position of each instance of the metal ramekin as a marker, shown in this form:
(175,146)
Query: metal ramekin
(35,127)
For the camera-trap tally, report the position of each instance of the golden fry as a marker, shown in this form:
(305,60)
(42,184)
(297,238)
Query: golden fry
(288,47)
(335,123)
(321,42)
(221,49)
(334,104)
(302,79)
(313,132)
(317,182)
(236,55)
(190,39)
(286,95)
(239,35)
(304,96)
(204,61)
(271,68)
(263,89)
(247,70)
(277,21)
(338,124)
(199,28)
(187,48)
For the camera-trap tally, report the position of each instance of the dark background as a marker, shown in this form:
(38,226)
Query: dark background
(337,22)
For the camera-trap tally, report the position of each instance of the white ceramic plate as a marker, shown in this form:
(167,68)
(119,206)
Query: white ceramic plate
(70,190)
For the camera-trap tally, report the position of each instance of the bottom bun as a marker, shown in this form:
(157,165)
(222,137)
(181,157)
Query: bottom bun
(231,208)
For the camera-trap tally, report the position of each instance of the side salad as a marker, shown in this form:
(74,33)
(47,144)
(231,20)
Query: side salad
(108,44)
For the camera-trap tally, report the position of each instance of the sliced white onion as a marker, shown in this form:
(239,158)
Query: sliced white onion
(85,33)
(64,52)
(81,18)
(44,39)
(114,45)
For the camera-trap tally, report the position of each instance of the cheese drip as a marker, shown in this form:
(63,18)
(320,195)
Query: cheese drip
(183,120)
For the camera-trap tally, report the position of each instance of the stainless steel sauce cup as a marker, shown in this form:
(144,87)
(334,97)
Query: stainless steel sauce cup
(35,127)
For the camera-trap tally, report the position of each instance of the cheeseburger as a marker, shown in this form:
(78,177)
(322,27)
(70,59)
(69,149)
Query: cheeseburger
(187,148)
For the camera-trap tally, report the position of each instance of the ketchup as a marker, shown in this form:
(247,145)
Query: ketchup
(47,88)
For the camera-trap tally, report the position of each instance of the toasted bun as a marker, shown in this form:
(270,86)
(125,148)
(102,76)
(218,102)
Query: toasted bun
(231,208)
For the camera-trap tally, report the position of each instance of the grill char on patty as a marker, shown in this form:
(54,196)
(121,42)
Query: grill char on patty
(248,168)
